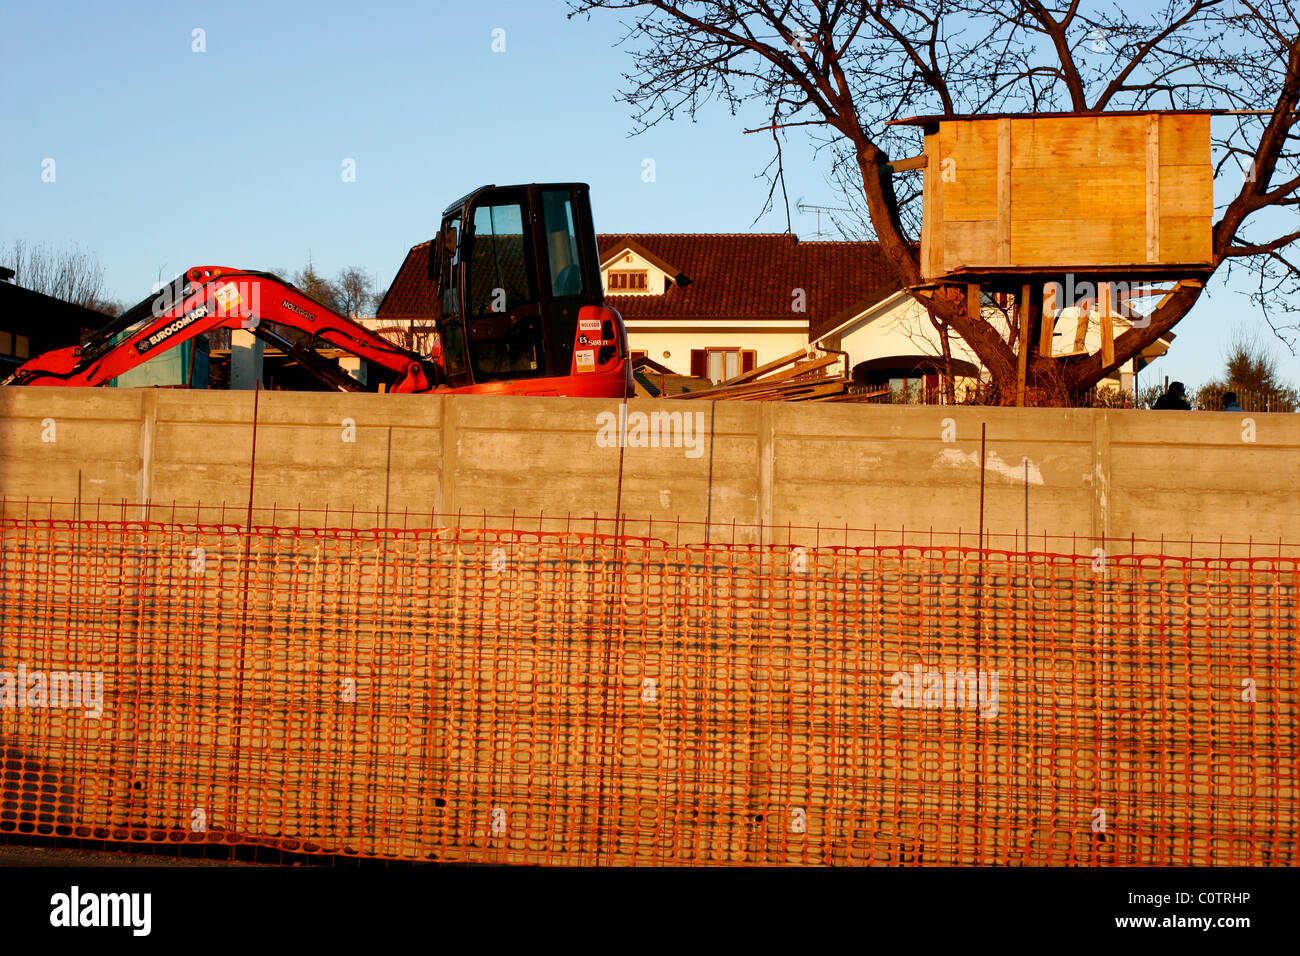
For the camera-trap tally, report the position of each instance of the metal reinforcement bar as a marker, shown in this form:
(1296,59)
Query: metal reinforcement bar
(575,698)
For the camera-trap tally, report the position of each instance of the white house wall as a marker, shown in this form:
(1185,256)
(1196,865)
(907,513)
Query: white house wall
(671,344)
(1067,325)
(898,326)
(768,344)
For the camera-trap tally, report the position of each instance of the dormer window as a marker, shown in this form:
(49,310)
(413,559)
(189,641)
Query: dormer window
(632,269)
(627,281)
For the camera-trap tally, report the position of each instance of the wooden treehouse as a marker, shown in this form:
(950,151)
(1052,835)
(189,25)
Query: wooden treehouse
(1107,203)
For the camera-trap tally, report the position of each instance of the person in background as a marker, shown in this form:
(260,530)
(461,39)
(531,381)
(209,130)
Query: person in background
(1230,403)
(1173,398)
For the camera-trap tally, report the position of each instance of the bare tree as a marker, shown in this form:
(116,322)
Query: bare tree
(355,289)
(69,272)
(350,293)
(843,70)
(110,307)
(1252,373)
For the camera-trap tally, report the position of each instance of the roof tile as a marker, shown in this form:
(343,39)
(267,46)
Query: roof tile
(411,294)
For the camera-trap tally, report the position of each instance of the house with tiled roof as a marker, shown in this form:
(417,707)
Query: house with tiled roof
(712,306)
(715,305)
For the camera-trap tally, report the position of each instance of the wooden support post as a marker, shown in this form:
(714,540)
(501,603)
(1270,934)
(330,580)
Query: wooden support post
(1153,189)
(1023,363)
(973,302)
(1049,322)
(931,251)
(1004,192)
(1107,326)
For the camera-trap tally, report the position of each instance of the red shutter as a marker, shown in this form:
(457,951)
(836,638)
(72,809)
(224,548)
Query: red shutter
(699,363)
(747,360)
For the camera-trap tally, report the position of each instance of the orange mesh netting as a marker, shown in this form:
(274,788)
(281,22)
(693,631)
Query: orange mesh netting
(471,695)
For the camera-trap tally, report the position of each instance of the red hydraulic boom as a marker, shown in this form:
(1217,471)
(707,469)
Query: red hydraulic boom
(212,297)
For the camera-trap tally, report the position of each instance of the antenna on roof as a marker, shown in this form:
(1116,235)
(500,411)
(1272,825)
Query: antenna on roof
(805,208)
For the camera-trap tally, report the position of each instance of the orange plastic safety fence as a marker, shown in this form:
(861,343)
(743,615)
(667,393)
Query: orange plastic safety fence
(521,697)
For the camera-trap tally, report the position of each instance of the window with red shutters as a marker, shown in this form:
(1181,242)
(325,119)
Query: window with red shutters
(699,363)
(628,281)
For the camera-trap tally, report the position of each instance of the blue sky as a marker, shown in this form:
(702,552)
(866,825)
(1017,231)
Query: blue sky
(167,158)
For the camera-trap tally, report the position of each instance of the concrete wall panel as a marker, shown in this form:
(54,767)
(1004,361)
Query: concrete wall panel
(1081,472)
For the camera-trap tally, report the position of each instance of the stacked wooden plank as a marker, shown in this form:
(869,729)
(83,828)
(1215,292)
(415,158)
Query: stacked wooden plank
(798,377)
(652,380)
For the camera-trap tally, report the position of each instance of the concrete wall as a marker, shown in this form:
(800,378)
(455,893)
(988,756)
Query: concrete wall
(1080,472)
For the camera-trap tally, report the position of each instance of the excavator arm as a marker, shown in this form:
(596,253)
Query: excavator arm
(208,297)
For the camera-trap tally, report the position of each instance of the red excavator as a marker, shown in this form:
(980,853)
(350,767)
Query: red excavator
(522,312)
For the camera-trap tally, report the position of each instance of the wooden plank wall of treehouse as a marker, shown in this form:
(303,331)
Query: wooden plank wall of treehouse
(1126,193)
(1011,204)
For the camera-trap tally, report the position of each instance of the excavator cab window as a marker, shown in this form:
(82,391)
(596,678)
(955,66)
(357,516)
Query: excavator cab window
(500,271)
(451,330)
(561,243)
(572,267)
(503,324)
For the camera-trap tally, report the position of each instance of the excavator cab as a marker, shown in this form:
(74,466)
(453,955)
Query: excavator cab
(521,304)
